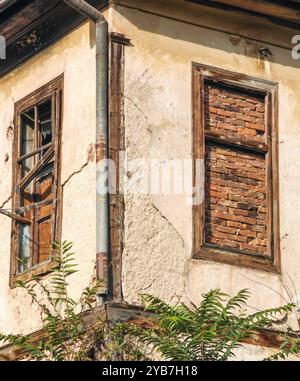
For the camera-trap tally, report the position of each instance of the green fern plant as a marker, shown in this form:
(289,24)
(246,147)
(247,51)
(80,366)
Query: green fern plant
(210,332)
(114,344)
(66,336)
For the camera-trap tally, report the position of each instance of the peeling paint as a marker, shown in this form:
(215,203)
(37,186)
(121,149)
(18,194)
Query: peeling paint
(78,163)
(157,256)
(158,122)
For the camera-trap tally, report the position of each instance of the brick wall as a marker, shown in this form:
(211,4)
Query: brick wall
(235,180)
(233,113)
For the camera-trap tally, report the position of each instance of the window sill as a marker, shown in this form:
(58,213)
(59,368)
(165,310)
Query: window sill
(255,262)
(40,270)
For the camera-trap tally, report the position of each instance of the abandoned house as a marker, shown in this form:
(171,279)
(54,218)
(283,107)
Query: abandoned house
(203,93)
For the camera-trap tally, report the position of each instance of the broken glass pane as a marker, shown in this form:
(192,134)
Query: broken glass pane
(27,139)
(28,197)
(24,248)
(45,123)
(27,194)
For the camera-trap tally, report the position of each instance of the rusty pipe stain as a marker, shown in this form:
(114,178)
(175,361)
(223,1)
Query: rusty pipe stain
(101,265)
(102,154)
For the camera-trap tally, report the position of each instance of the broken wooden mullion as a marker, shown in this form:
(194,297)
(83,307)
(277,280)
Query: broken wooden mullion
(28,204)
(36,205)
(15,217)
(39,166)
(35,152)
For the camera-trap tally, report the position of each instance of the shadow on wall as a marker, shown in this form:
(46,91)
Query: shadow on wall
(279,52)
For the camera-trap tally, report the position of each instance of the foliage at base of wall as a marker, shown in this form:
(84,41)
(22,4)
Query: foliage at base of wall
(211,331)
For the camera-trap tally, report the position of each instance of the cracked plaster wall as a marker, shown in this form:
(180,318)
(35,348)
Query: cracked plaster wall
(72,55)
(158,124)
(158,121)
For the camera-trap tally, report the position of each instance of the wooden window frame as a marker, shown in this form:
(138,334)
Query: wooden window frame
(118,43)
(202,73)
(54,90)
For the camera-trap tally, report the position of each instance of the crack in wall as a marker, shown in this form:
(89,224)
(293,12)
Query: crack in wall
(186,293)
(90,158)
(75,173)
(5,202)
(169,223)
(140,110)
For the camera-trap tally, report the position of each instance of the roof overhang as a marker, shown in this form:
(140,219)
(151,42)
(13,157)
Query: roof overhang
(29,26)
(283,12)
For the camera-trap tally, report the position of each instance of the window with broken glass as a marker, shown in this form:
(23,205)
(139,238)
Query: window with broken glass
(36,188)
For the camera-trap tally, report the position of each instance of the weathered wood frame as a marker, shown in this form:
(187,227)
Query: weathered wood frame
(202,73)
(53,90)
(118,44)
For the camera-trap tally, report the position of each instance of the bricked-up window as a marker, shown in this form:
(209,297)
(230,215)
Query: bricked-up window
(235,134)
(36,183)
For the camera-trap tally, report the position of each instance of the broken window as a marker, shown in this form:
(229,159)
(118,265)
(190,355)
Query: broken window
(36,193)
(235,135)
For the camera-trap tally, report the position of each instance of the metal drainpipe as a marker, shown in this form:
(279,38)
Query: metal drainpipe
(6,3)
(102,196)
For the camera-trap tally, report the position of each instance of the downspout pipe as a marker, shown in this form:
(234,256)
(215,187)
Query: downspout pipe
(102,153)
(6,3)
